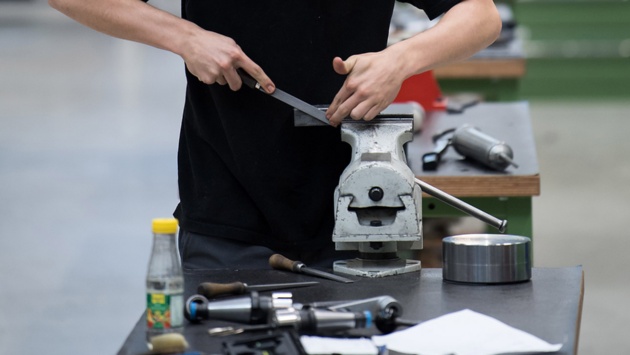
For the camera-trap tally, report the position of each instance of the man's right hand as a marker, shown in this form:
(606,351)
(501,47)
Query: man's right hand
(211,57)
(214,58)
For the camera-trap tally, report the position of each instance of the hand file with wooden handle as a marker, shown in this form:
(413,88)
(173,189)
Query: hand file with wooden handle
(280,262)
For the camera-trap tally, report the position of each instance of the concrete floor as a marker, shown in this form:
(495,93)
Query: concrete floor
(88,140)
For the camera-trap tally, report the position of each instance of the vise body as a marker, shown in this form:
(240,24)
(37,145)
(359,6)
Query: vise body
(378,205)
(378,202)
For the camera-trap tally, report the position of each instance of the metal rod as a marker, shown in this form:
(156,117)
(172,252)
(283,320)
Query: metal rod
(500,224)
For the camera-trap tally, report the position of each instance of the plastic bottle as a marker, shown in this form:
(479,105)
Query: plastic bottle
(165,281)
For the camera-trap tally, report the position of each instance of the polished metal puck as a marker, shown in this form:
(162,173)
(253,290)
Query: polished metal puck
(486,258)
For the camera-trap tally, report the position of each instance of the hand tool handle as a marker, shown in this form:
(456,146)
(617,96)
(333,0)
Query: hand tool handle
(431,160)
(248,79)
(212,289)
(280,262)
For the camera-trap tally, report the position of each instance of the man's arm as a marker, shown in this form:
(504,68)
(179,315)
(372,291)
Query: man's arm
(209,56)
(374,79)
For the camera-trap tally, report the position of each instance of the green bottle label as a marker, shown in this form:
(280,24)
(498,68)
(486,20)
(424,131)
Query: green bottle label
(164,311)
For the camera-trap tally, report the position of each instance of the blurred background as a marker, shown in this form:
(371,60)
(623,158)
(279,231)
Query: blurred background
(88,141)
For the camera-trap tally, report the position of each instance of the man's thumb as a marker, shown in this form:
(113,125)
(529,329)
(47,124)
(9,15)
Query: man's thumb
(344,67)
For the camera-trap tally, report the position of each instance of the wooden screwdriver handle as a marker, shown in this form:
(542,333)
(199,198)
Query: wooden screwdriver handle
(212,289)
(280,262)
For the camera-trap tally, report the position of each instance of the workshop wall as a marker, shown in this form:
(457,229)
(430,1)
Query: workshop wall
(575,48)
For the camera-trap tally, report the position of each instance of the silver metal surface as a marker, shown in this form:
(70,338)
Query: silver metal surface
(378,207)
(471,142)
(379,306)
(301,119)
(223,331)
(286,317)
(318,320)
(280,286)
(376,268)
(378,161)
(499,224)
(281,300)
(486,258)
(323,274)
(229,330)
(300,105)
(288,99)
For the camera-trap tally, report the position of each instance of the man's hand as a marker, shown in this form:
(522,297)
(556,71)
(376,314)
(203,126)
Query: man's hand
(211,57)
(214,58)
(373,81)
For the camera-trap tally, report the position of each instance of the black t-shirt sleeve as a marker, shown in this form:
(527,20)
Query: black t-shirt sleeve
(433,8)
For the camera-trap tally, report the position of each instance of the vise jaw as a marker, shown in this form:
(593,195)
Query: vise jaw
(378,205)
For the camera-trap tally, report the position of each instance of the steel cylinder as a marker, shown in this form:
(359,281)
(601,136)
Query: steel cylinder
(486,258)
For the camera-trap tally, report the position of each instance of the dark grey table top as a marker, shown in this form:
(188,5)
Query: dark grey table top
(509,122)
(548,306)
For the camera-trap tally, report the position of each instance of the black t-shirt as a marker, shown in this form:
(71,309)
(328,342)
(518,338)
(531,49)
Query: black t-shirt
(245,172)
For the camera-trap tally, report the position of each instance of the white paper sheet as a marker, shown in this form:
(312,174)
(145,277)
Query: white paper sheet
(315,345)
(463,333)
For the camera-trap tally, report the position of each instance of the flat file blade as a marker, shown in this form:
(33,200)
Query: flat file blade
(323,274)
(301,105)
(286,98)
(280,262)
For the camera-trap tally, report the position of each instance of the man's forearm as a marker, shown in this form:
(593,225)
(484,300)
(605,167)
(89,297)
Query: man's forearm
(211,57)
(464,30)
(130,19)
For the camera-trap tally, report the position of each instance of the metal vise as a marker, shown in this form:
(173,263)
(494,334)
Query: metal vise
(378,205)
(378,202)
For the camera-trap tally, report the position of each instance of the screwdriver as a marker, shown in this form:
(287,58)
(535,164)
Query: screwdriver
(212,289)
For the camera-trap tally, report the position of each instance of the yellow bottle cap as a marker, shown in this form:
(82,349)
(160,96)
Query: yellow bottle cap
(165,225)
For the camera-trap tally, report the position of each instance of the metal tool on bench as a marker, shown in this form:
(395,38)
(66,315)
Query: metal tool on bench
(321,321)
(212,289)
(385,309)
(329,317)
(378,202)
(252,309)
(306,320)
(288,99)
(471,143)
(378,209)
(281,262)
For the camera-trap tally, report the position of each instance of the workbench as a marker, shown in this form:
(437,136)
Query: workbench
(548,306)
(505,194)
(494,72)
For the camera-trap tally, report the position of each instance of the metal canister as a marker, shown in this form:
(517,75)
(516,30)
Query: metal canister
(486,258)
(472,143)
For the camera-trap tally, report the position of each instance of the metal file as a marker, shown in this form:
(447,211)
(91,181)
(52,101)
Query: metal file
(286,98)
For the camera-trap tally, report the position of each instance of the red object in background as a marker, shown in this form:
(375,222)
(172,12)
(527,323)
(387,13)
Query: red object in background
(423,89)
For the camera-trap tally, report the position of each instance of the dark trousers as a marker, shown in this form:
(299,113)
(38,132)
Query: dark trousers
(204,252)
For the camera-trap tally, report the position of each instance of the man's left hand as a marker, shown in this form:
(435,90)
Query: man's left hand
(373,81)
